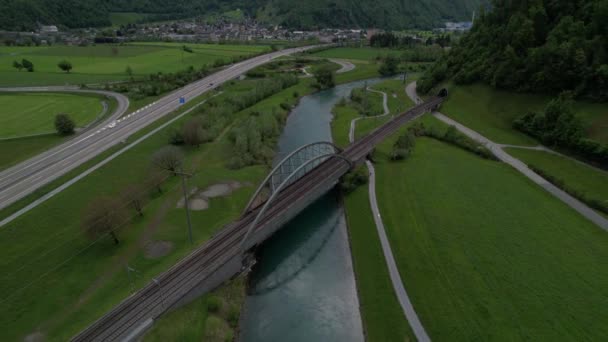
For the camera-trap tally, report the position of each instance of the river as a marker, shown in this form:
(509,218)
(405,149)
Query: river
(303,287)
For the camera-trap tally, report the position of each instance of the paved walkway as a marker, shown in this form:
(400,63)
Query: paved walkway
(353,123)
(402,296)
(498,150)
(346,66)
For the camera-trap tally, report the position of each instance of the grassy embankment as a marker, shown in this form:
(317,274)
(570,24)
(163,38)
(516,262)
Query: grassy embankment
(96,276)
(171,326)
(25,114)
(383,318)
(485,254)
(491,113)
(212,317)
(579,178)
(103,63)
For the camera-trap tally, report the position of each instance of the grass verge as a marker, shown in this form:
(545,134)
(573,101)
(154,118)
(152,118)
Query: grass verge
(485,254)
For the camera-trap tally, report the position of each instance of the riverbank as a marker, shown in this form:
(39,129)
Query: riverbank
(284,146)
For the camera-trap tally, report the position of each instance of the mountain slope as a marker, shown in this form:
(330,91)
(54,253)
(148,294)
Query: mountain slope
(386,14)
(543,46)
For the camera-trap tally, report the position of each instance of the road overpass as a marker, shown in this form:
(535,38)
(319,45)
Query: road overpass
(26,177)
(300,179)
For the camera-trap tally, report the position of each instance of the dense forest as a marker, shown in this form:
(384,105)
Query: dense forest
(541,46)
(385,14)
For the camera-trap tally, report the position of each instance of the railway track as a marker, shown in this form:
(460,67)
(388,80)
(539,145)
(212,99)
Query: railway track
(171,286)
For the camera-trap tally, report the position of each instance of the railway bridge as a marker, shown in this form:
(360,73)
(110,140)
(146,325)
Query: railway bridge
(298,180)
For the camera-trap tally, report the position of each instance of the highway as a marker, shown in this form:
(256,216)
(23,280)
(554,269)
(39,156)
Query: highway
(24,178)
(171,286)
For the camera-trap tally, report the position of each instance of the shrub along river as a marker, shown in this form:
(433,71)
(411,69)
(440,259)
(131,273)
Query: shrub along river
(303,287)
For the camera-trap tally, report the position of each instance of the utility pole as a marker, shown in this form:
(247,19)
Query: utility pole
(186,205)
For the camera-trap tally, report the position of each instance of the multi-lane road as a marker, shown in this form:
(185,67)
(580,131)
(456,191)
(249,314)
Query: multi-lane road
(24,178)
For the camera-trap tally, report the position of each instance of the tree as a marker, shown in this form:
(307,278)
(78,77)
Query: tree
(353,179)
(134,196)
(103,216)
(65,66)
(17,65)
(389,66)
(129,72)
(192,132)
(155,180)
(29,66)
(64,124)
(403,146)
(168,158)
(325,77)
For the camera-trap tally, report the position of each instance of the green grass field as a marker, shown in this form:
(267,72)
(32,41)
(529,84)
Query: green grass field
(49,300)
(383,319)
(591,182)
(365,53)
(101,63)
(200,320)
(34,113)
(487,255)
(382,316)
(491,113)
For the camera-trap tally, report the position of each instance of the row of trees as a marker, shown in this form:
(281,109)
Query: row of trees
(533,46)
(106,214)
(24,64)
(253,140)
(29,66)
(558,126)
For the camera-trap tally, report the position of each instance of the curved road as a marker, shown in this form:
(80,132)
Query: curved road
(22,179)
(517,164)
(400,292)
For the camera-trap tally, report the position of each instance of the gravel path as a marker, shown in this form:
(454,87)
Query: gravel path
(353,123)
(402,296)
(346,66)
(498,150)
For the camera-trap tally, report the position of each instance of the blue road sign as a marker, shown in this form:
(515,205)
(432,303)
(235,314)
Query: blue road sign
(182,100)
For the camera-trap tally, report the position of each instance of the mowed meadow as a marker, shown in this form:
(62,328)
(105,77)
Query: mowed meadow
(104,63)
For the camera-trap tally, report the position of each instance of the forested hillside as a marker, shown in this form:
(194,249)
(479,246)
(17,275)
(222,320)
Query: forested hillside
(542,46)
(386,14)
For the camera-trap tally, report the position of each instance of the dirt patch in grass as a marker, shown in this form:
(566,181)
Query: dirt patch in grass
(35,337)
(158,249)
(199,200)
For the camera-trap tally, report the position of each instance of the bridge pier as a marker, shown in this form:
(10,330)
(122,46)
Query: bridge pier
(235,265)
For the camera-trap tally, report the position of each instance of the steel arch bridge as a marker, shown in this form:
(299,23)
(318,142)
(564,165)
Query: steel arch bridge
(291,168)
(287,166)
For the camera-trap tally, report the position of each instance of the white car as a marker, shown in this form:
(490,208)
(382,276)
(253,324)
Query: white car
(112,124)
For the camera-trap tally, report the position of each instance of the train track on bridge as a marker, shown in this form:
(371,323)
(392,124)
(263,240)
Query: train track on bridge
(172,286)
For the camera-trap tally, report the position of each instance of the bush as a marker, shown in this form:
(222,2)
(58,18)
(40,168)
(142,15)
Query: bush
(591,202)
(389,66)
(176,138)
(403,146)
(285,106)
(213,304)
(64,124)
(354,179)
(324,77)
(233,316)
